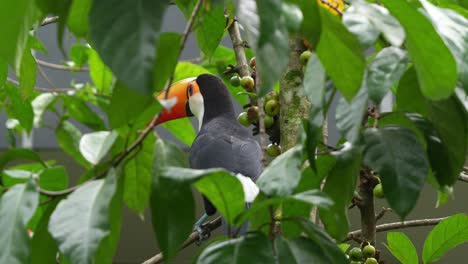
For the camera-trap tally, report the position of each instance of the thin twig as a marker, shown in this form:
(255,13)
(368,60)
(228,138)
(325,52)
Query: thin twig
(49,20)
(239,49)
(43,89)
(398,225)
(332,6)
(193,238)
(44,76)
(463,177)
(382,213)
(60,67)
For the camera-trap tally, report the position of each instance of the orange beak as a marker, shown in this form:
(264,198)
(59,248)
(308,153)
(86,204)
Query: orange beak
(181,92)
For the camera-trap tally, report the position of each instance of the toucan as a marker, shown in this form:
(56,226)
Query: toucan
(221,141)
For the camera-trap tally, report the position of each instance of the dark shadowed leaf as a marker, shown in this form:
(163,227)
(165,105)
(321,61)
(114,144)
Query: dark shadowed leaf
(448,234)
(17,206)
(251,248)
(340,186)
(43,247)
(402,248)
(19,108)
(437,80)
(81,221)
(126,38)
(349,116)
(18,154)
(396,154)
(27,72)
(79,110)
(182,129)
(409,97)
(341,54)
(281,177)
(166,58)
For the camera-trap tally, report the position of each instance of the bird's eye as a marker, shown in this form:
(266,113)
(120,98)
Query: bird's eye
(190,90)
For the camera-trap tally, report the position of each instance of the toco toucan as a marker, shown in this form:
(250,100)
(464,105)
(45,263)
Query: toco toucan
(221,141)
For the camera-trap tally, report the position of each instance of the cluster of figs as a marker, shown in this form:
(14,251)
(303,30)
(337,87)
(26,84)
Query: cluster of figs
(251,114)
(365,254)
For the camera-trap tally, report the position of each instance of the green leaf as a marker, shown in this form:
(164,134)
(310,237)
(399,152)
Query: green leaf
(172,223)
(311,25)
(79,55)
(17,206)
(281,177)
(349,116)
(15,154)
(384,71)
(187,70)
(409,97)
(445,236)
(450,121)
(402,248)
(166,58)
(19,16)
(80,111)
(314,87)
(453,28)
(27,72)
(53,178)
(268,37)
(94,146)
(398,157)
(100,74)
(68,137)
(137,171)
(250,248)
(367,21)
(225,192)
(125,106)
(182,129)
(437,80)
(43,247)
(341,54)
(20,108)
(340,186)
(12,177)
(127,49)
(81,221)
(78,17)
(39,106)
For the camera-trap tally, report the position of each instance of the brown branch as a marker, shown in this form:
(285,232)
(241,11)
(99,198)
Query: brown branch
(238,46)
(332,6)
(463,177)
(193,238)
(60,67)
(397,225)
(49,20)
(43,89)
(382,213)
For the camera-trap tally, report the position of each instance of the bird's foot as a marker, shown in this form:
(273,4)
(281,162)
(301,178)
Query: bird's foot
(203,233)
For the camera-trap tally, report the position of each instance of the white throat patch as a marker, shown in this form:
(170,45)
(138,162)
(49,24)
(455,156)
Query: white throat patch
(197,107)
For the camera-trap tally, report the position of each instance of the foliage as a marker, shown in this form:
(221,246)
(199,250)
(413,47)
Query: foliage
(415,50)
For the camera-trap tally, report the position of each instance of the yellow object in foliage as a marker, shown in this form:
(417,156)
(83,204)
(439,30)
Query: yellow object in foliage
(333,5)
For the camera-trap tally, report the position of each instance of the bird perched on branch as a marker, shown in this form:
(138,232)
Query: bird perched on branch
(221,141)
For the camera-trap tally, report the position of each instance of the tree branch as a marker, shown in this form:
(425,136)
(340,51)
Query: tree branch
(193,238)
(463,177)
(366,204)
(238,45)
(397,225)
(60,67)
(332,6)
(49,20)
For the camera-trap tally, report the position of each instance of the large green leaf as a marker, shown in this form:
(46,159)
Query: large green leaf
(409,97)
(68,137)
(17,206)
(225,192)
(18,154)
(349,116)
(79,110)
(172,223)
(367,21)
(53,178)
(17,18)
(166,58)
(182,129)
(19,108)
(340,186)
(403,119)
(81,221)
(94,146)
(384,71)
(402,248)
(437,80)
(125,106)
(396,154)
(453,28)
(43,247)
(281,177)
(448,234)
(78,17)
(250,248)
(268,37)
(137,172)
(100,74)
(126,38)
(341,54)
(311,25)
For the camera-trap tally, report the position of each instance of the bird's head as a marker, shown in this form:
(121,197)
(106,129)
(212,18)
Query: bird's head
(204,97)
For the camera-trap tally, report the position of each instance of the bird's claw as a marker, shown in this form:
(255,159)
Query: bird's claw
(203,233)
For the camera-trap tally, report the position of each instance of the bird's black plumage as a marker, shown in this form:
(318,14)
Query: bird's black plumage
(222,142)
